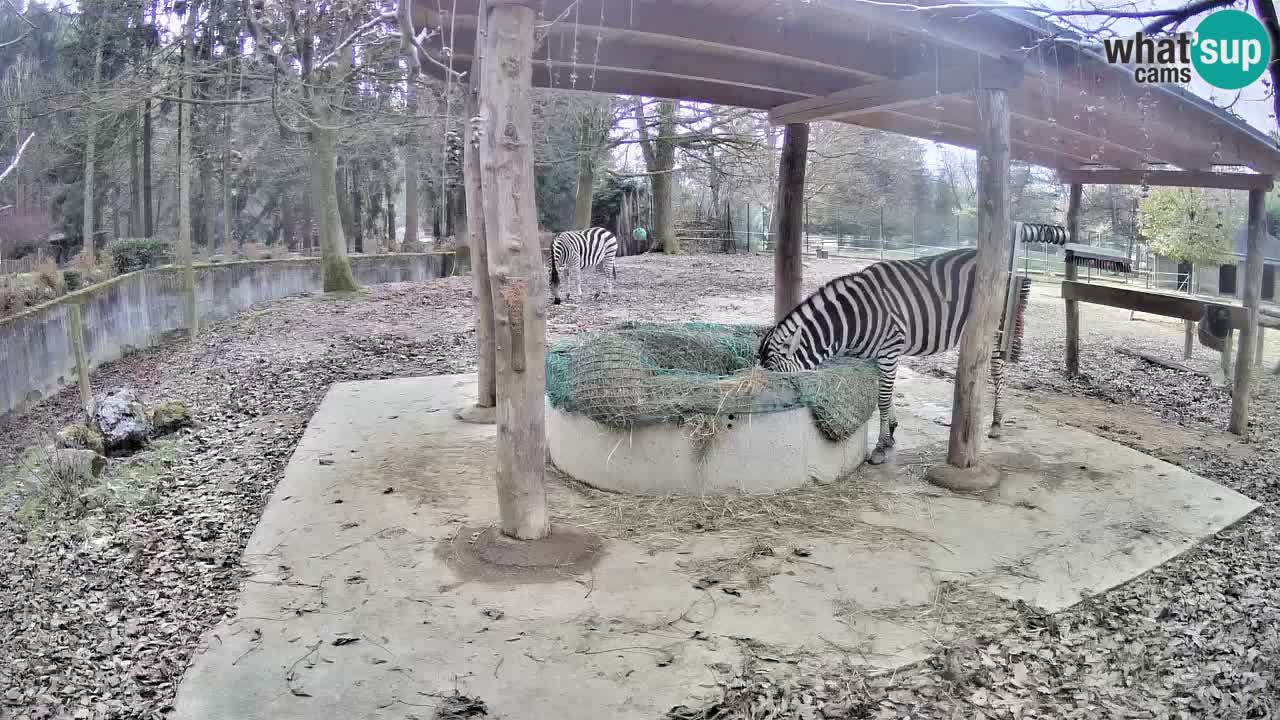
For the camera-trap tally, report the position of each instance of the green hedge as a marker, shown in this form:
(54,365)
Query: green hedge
(130,255)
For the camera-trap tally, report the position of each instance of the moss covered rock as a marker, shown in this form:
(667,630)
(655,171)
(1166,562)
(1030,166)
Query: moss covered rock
(80,437)
(169,416)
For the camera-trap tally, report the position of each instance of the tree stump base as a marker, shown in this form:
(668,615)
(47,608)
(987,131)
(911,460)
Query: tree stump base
(476,415)
(978,478)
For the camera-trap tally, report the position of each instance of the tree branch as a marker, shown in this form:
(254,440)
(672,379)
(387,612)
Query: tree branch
(412,44)
(357,34)
(17,158)
(1166,18)
(1267,11)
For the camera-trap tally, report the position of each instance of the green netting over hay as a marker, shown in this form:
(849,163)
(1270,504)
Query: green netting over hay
(644,373)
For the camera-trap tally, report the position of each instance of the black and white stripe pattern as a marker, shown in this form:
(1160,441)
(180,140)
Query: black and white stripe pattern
(577,250)
(886,311)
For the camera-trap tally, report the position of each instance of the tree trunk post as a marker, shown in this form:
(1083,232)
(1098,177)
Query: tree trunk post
(1249,346)
(91,155)
(788,260)
(148,216)
(990,280)
(333,244)
(1188,341)
(185,171)
(1074,203)
(135,178)
(486,389)
(519,287)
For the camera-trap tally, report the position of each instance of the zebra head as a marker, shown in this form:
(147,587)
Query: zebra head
(555,274)
(779,345)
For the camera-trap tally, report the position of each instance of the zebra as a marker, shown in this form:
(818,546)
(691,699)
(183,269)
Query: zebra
(578,250)
(888,310)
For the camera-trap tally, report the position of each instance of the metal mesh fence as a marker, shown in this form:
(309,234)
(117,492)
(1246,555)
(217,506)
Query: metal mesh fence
(644,373)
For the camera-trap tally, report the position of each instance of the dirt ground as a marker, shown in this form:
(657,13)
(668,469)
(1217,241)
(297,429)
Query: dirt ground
(100,612)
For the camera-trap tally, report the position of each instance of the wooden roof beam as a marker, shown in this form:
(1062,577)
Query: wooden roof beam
(622,56)
(1168,178)
(897,93)
(952,133)
(664,24)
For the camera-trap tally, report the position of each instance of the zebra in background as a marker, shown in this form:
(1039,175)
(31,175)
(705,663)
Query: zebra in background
(886,311)
(578,250)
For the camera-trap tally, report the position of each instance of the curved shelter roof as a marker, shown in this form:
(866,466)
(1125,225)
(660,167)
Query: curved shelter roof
(882,64)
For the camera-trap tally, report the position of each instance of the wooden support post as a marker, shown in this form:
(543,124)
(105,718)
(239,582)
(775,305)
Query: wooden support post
(1074,204)
(1262,342)
(1188,342)
(993,245)
(788,261)
(519,286)
(1252,300)
(486,389)
(1224,359)
(75,333)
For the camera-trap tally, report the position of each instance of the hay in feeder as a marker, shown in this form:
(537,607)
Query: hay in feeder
(645,373)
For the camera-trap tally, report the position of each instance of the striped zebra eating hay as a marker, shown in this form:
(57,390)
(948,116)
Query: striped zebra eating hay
(577,250)
(886,311)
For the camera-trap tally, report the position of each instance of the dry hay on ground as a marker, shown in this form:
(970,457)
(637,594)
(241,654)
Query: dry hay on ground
(832,510)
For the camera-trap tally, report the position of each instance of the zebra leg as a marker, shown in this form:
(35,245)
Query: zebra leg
(888,418)
(997,393)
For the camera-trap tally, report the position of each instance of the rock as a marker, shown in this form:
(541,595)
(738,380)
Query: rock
(169,416)
(122,420)
(80,437)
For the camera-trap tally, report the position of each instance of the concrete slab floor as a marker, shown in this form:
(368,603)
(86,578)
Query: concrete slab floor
(357,543)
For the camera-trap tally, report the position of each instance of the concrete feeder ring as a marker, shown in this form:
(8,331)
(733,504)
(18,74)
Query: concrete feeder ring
(653,409)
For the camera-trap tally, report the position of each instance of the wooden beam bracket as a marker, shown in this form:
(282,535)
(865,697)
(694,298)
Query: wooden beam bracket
(1168,178)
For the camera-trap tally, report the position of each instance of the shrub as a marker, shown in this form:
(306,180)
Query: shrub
(132,254)
(256,251)
(73,279)
(47,276)
(102,268)
(14,300)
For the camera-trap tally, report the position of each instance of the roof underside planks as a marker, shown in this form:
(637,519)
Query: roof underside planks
(1070,109)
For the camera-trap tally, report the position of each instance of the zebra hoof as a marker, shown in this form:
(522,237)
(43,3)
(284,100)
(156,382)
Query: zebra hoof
(995,432)
(877,457)
(556,301)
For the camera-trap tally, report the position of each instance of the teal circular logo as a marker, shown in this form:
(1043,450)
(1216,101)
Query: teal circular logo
(1231,49)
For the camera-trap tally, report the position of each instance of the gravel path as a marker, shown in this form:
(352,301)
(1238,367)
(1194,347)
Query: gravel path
(99,614)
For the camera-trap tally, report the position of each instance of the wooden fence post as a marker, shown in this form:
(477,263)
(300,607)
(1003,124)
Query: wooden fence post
(1252,300)
(519,287)
(1188,342)
(788,253)
(75,332)
(988,294)
(1074,203)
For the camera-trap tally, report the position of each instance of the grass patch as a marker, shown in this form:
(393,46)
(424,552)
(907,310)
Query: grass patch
(45,496)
